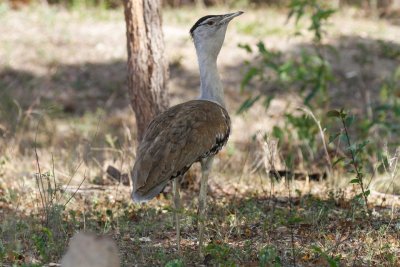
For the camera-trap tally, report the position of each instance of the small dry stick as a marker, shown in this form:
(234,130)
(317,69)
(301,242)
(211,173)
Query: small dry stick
(39,180)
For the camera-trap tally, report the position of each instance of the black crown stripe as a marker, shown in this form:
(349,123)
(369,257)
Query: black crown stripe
(198,23)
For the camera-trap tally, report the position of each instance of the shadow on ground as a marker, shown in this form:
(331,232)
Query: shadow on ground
(359,65)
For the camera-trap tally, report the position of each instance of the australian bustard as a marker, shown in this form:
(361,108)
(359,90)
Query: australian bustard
(190,132)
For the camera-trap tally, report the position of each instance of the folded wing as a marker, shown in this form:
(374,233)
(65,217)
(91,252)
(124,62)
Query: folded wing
(174,140)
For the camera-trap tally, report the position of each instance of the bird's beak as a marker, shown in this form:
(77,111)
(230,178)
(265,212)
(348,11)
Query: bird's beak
(228,17)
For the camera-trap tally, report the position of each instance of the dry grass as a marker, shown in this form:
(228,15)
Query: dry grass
(63,92)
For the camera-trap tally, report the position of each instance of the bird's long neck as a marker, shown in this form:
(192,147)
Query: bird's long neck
(210,82)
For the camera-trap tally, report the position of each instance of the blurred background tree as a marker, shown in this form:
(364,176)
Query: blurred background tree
(147,68)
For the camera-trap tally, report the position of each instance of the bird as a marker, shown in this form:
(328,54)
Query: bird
(193,131)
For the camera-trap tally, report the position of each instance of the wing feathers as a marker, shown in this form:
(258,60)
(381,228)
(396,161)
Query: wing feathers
(175,140)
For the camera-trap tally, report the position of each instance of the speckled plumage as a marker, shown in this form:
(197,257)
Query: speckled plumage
(176,139)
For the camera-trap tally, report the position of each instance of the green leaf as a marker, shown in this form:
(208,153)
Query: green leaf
(294,220)
(362,145)
(349,120)
(289,159)
(332,262)
(246,47)
(261,48)
(333,113)
(316,249)
(175,263)
(343,138)
(359,197)
(367,193)
(310,96)
(109,213)
(324,14)
(277,132)
(343,114)
(352,148)
(253,71)
(267,101)
(355,181)
(247,104)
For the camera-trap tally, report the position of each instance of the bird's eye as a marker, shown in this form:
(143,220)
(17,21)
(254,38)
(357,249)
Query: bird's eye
(210,23)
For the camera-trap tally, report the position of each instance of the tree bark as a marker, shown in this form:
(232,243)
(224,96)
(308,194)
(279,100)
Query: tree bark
(147,68)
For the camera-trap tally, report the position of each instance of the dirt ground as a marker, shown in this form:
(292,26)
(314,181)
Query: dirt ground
(63,90)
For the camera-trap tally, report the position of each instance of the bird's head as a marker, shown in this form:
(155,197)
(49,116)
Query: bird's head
(208,32)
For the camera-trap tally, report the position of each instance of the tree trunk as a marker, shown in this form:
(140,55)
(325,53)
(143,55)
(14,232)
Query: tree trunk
(147,68)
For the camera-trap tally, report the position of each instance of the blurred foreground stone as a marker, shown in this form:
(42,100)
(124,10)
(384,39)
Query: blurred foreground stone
(89,250)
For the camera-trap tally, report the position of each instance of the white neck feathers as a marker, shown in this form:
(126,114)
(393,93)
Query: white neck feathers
(210,82)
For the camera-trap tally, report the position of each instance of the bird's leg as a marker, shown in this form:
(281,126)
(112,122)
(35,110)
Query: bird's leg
(177,198)
(205,171)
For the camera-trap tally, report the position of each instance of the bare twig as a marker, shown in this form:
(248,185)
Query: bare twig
(76,169)
(54,179)
(75,172)
(84,178)
(39,181)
